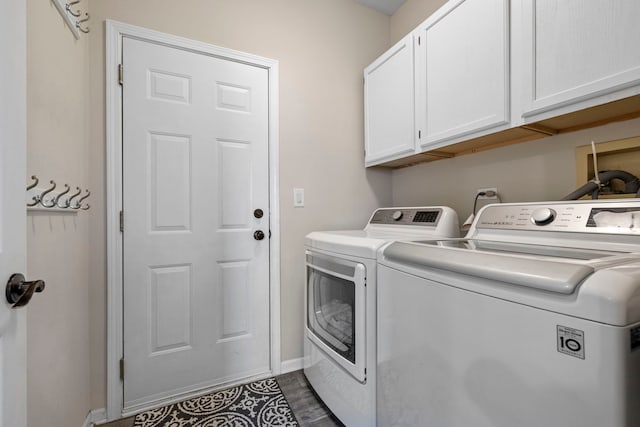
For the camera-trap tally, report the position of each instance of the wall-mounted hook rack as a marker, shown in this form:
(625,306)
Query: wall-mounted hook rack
(50,200)
(72,16)
(68,6)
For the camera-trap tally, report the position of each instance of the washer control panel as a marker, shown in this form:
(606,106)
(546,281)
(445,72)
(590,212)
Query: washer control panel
(591,217)
(407,216)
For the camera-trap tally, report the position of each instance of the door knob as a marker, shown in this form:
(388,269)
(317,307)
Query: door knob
(258,235)
(258,213)
(19,292)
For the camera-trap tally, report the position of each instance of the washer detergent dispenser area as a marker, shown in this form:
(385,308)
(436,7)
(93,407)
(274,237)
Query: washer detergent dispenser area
(340,305)
(533,319)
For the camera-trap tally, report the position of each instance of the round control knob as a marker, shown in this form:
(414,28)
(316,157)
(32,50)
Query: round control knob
(543,216)
(397,215)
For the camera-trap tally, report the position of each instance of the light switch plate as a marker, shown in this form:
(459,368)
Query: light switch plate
(298,197)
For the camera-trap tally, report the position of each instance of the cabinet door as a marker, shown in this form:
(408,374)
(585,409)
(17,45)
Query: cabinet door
(388,105)
(462,71)
(577,53)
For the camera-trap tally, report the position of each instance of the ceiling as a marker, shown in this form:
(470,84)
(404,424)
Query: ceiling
(387,7)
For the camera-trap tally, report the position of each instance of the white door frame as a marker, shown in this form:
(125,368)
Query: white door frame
(13,215)
(115,31)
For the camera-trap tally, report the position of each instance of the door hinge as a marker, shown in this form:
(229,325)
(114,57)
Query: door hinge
(418,41)
(121,221)
(120,73)
(122,369)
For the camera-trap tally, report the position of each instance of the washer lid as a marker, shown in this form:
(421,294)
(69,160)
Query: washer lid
(554,269)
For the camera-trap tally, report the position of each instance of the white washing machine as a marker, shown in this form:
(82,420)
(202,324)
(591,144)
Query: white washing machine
(531,320)
(340,308)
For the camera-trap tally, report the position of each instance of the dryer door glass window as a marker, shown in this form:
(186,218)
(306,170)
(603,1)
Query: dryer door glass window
(331,312)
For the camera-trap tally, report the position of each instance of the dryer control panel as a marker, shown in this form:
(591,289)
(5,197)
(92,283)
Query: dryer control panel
(406,216)
(604,216)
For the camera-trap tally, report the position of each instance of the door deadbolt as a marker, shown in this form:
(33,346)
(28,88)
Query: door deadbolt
(258,235)
(258,213)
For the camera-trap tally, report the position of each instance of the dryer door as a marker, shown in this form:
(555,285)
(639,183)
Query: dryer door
(335,317)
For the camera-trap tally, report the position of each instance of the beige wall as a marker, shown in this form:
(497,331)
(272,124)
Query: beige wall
(532,171)
(322,48)
(57,244)
(410,15)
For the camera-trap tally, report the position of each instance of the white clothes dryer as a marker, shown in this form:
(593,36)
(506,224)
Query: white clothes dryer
(340,305)
(531,320)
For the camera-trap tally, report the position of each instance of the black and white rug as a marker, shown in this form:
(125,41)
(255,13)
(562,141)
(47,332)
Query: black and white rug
(257,404)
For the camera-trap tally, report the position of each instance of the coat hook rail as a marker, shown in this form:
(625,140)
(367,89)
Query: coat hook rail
(73,16)
(50,199)
(67,7)
(82,21)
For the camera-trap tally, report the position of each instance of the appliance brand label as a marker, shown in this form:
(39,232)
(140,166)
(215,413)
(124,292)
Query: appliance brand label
(634,335)
(571,341)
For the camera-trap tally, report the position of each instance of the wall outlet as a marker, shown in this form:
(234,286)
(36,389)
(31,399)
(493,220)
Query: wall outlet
(486,190)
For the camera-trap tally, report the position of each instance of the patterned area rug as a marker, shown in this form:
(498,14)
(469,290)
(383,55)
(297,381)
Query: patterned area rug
(258,404)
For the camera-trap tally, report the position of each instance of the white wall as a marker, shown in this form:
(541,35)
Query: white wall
(322,47)
(58,372)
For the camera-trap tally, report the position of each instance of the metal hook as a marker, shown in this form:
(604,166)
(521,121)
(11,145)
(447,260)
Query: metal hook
(45,192)
(57,198)
(84,30)
(68,7)
(36,200)
(79,202)
(68,202)
(29,187)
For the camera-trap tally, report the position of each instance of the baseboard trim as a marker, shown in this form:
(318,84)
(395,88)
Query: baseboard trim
(291,365)
(94,417)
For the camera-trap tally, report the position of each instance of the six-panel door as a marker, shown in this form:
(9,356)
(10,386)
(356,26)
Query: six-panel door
(195,167)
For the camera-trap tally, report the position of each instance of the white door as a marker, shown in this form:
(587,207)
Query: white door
(13,396)
(196,270)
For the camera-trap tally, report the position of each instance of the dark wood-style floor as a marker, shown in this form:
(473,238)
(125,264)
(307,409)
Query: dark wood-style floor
(309,410)
(307,407)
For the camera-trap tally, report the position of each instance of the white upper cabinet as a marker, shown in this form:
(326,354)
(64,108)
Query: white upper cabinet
(389,105)
(494,72)
(575,54)
(462,72)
